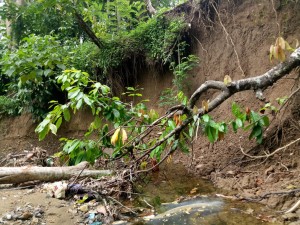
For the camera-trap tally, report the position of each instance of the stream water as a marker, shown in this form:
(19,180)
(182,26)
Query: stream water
(182,199)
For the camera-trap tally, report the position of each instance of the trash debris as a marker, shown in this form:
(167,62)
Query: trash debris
(56,189)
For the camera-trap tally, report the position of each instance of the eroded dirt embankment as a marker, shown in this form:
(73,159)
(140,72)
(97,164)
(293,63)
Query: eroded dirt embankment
(252,27)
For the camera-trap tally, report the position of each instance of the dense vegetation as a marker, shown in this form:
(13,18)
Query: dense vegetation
(63,56)
(105,39)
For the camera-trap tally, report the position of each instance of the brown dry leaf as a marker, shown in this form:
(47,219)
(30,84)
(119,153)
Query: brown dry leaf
(205,105)
(177,119)
(169,159)
(115,137)
(220,136)
(227,80)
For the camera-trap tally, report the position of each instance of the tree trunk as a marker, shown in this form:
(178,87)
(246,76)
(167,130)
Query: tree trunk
(150,7)
(88,30)
(16,175)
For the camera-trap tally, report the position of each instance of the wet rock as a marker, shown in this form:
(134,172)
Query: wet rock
(34,221)
(84,208)
(26,216)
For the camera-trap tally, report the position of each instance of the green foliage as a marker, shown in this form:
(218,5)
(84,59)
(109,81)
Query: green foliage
(85,57)
(182,68)
(170,97)
(39,18)
(9,106)
(31,70)
(83,92)
(81,150)
(213,130)
(256,122)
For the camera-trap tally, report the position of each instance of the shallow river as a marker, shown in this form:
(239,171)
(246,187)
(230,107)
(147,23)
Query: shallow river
(180,198)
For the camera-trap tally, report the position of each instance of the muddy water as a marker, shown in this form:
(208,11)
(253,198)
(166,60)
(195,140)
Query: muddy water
(180,198)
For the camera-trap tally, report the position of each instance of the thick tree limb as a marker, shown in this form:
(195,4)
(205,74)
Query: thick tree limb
(16,175)
(150,7)
(88,30)
(257,83)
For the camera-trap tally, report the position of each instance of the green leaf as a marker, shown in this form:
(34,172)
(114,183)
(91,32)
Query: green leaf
(58,122)
(44,132)
(72,146)
(61,66)
(47,72)
(254,117)
(79,104)
(80,157)
(53,128)
(116,113)
(259,139)
(239,122)
(206,118)
(265,121)
(97,122)
(256,131)
(235,109)
(209,132)
(87,100)
(10,71)
(73,93)
(66,113)
(171,124)
(234,126)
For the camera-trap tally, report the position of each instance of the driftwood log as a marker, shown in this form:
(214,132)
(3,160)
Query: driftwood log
(16,175)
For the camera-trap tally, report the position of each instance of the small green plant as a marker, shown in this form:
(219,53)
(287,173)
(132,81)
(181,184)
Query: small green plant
(256,122)
(9,106)
(182,68)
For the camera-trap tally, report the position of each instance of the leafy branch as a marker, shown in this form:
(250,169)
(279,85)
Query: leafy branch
(139,134)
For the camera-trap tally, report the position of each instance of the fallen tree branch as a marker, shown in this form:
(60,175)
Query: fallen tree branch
(16,175)
(257,84)
(253,83)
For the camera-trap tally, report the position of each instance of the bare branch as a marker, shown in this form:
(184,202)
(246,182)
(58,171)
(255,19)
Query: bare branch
(254,83)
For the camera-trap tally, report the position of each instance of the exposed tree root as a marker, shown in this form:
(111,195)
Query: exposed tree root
(269,155)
